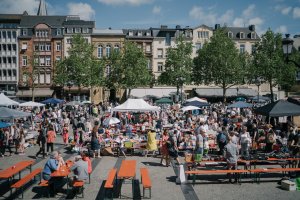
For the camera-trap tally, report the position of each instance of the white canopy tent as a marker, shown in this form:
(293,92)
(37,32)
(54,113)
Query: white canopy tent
(31,104)
(5,101)
(110,121)
(196,99)
(135,105)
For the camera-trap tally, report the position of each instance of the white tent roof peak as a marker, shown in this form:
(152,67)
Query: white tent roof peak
(5,101)
(135,105)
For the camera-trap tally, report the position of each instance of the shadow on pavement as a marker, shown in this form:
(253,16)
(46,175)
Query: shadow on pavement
(154,164)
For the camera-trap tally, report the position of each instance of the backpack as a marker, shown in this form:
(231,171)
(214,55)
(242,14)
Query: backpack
(222,138)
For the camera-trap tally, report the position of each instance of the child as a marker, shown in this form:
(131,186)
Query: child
(66,134)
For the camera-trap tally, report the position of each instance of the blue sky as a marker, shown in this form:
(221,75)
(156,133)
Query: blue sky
(280,15)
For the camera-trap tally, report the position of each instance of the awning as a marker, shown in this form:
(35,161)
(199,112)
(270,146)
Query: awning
(230,92)
(38,92)
(153,92)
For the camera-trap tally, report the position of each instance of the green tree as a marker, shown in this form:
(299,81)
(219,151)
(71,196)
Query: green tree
(268,62)
(80,67)
(127,68)
(179,64)
(134,64)
(220,63)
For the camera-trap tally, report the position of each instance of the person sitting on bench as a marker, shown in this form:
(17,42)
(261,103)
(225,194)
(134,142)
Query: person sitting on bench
(80,169)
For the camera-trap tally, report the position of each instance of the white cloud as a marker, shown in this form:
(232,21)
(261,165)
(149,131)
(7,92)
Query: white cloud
(239,22)
(156,10)
(249,11)
(226,17)
(281,29)
(286,11)
(296,12)
(125,2)
(84,10)
(19,6)
(210,17)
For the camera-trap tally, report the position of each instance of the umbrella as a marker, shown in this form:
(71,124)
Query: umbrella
(73,103)
(7,113)
(196,99)
(86,102)
(110,121)
(31,104)
(53,101)
(186,108)
(4,125)
(197,104)
(164,101)
(279,109)
(240,104)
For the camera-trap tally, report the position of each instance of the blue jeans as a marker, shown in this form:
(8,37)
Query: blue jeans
(199,150)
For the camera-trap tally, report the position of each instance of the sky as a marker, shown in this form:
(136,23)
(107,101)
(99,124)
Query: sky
(281,16)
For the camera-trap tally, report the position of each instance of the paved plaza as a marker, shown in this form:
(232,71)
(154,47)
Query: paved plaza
(163,181)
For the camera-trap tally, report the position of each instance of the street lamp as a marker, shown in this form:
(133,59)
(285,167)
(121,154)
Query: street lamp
(287,46)
(258,82)
(237,91)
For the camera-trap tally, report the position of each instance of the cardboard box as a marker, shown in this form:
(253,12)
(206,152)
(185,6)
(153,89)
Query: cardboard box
(288,185)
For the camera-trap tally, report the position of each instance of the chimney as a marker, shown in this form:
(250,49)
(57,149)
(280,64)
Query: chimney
(217,26)
(252,27)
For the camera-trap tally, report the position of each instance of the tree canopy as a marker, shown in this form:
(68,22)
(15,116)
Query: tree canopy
(178,64)
(219,63)
(269,64)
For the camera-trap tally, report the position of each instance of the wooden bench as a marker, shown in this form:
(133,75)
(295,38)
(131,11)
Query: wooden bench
(110,181)
(45,184)
(19,184)
(80,185)
(223,171)
(146,182)
(257,172)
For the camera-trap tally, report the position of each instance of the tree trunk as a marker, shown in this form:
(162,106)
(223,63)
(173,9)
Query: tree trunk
(129,92)
(224,94)
(271,90)
(33,93)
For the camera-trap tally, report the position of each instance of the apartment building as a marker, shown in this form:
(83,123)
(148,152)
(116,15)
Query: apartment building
(9,53)
(105,41)
(40,42)
(201,35)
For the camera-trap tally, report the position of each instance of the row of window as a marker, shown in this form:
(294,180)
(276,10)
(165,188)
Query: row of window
(8,73)
(43,77)
(8,34)
(41,33)
(242,35)
(8,60)
(8,47)
(107,48)
(76,30)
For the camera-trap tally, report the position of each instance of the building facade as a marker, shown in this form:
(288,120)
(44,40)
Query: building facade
(40,43)
(105,41)
(9,61)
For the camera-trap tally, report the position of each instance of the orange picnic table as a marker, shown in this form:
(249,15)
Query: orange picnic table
(63,171)
(127,171)
(16,168)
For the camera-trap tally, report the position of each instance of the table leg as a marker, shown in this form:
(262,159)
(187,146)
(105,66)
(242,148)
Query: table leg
(20,175)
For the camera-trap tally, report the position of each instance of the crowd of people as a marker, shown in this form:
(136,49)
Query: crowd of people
(232,132)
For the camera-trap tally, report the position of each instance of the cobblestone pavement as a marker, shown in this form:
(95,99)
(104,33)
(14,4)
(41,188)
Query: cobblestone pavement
(163,182)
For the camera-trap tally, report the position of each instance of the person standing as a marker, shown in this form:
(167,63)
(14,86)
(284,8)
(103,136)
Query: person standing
(221,140)
(66,134)
(22,142)
(231,156)
(151,141)
(245,142)
(41,141)
(199,142)
(51,135)
(164,148)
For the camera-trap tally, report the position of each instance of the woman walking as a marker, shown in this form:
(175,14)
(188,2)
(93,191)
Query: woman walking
(164,148)
(51,135)
(41,141)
